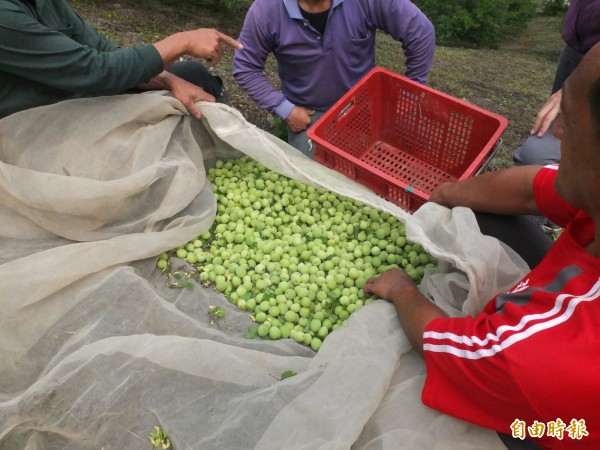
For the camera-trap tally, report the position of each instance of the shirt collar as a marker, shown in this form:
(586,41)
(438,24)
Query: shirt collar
(293,9)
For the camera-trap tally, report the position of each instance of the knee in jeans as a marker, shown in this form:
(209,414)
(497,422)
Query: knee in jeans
(525,156)
(538,151)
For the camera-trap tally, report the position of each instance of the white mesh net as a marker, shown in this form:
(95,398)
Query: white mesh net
(95,349)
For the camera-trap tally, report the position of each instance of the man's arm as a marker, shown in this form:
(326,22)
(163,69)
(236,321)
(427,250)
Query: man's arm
(414,310)
(36,52)
(202,43)
(508,191)
(248,71)
(249,64)
(84,63)
(187,93)
(406,23)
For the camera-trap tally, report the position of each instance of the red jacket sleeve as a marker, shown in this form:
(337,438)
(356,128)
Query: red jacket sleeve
(550,203)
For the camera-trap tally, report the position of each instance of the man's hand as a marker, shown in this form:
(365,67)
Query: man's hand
(208,44)
(389,285)
(547,114)
(203,43)
(188,94)
(414,310)
(184,91)
(299,119)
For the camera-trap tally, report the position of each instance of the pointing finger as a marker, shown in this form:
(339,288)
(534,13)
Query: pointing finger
(230,41)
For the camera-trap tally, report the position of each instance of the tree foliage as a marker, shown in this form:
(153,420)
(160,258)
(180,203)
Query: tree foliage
(477,22)
(554,7)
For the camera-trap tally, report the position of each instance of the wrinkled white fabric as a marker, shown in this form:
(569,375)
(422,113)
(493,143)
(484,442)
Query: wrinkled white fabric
(96,349)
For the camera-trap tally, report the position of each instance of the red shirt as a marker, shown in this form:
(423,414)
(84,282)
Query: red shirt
(531,359)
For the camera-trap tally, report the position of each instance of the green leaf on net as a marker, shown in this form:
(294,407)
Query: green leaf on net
(287,374)
(251,332)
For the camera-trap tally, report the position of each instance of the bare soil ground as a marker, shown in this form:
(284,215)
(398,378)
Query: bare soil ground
(513,81)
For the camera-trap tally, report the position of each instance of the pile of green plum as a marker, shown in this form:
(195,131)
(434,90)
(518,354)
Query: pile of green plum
(294,256)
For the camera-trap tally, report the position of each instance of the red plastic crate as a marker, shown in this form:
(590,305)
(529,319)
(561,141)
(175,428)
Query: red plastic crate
(403,139)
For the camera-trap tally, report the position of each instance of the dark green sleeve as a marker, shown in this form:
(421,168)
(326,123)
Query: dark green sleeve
(87,34)
(58,50)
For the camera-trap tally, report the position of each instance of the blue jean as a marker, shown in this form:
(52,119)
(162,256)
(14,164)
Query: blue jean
(546,149)
(538,150)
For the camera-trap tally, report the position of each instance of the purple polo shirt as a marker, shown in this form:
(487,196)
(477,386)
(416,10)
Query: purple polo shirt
(581,29)
(316,70)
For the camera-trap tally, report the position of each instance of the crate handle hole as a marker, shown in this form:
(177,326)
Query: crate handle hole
(345,110)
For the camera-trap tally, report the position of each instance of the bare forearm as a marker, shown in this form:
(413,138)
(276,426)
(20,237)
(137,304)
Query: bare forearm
(163,80)
(201,43)
(173,47)
(415,311)
(508,191)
